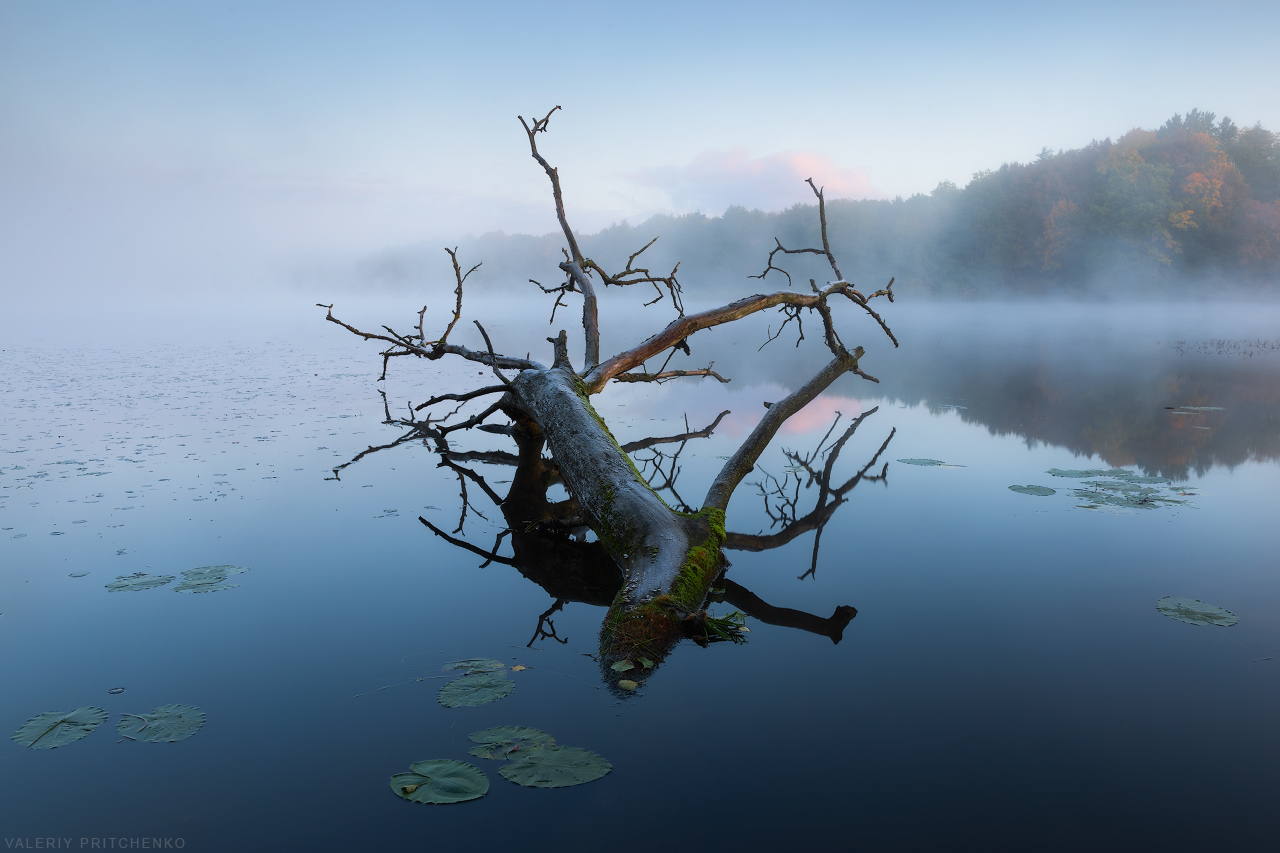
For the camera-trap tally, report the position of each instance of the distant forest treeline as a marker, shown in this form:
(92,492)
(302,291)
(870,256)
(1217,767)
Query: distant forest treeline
(1194,202)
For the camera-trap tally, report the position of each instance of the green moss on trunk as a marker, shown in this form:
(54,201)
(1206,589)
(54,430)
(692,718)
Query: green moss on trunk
(652,627)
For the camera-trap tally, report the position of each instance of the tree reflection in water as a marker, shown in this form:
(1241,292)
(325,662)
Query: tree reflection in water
(549,544)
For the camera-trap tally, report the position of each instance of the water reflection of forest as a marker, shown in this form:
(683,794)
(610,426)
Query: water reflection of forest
(1126,406)
(1099,380)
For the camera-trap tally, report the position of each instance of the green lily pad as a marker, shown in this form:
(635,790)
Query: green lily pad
(1088,472)
(1039,491)
(440,781)
(138,581)
(501,741)
(622,666)
(208,579)
(474,665)
(1135,478)
(53,729)
(555,767)
(932,462)
(1196,612)
(1148,499)
(479,688)
(166,724)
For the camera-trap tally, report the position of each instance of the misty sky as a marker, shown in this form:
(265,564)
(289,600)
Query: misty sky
(208,145)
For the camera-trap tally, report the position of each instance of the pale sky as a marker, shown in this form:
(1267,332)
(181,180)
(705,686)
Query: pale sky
(212,145)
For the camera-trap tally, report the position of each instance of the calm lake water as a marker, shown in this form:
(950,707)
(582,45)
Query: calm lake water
(1007,683)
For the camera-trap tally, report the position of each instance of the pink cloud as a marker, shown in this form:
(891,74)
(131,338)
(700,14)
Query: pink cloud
(815,417)
(714,180)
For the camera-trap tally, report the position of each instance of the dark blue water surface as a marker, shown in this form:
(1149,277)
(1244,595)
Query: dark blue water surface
(1007,682)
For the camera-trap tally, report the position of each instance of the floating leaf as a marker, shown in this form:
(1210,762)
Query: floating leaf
(1196,612)
(473,665)
(1200,408)
(646,663)
(1145,499)
(478,688)
(622,666)
(138,581)
(627,684)
(166,724)
(1039,491)
(555,767)
(208,579)
(922,461)
(78,575)
(519,668)
(53,729)
(1090,472)
(440,781)
(501,741)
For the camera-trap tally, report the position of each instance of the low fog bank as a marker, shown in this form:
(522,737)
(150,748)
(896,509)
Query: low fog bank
(1100,379)
(1192,208)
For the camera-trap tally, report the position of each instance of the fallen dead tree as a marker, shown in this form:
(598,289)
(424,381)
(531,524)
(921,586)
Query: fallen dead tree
(668,557)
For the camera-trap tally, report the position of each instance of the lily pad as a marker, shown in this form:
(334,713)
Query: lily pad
(166,724)
(53,729)
(1201,408)
(138,581)
(474,665)
(1039,491)
(555,767)
(1125,498)
(501,741)
(1080,474)
(78,575)
(932,462)
(479,688)
(1196,612)
(440,781)
(208,579)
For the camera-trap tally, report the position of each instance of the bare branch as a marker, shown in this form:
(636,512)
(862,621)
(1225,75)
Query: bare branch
(590,312)
(742,461)
(668,374)
(462,543)
(540,126)
(575,265)
(639,275)
(471,421)
(434,351)
(757,608)
(540,633)
(470,395)
(705,432)
(493,358)
(679,329)
(457,308)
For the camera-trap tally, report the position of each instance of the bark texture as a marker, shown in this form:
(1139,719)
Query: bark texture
(648,540)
